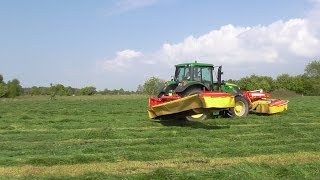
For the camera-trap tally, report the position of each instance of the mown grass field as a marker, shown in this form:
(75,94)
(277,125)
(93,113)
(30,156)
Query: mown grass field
(111,137)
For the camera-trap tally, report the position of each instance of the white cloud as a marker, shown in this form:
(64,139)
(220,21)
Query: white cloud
(122,61)
(128,54)
(259,44)
(122,6)
(279,47)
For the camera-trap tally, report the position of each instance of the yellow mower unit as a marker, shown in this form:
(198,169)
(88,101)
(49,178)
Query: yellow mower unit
(214,101)
(260,103)
(197,102)
(269,106)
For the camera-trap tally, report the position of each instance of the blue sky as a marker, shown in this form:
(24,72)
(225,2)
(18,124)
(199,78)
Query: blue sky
(118,44)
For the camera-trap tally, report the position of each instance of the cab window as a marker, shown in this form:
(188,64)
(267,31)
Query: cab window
(206,74)
(182,73)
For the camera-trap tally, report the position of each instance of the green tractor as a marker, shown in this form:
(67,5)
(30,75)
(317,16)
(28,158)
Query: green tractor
(195,78)
(196,91)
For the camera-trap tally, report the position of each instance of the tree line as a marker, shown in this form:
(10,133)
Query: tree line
(13,89)
(306,84)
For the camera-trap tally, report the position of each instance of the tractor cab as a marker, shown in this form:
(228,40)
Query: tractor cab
(191,73)
(198,75)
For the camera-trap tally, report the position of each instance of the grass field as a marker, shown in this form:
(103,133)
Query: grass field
(100,136)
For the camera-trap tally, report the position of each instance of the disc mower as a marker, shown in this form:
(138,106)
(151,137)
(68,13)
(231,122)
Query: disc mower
(194,94)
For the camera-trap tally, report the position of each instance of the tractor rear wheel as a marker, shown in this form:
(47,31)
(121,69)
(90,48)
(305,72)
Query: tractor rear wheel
(195,117)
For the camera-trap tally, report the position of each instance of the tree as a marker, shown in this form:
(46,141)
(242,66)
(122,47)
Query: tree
(139,89)
(90,90)
(3,87)
(34,91)
(298,84)
(3,90)
(105,91)
(45,90)
(284,81)
(69,91)
(53,92)
(152,86)
(313,69)
(307,85)
(1,78)
(60,89)
(14,88)
(312,73)
(121,91)
(255,82)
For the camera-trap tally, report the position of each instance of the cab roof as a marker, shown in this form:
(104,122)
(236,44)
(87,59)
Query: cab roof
(194,64)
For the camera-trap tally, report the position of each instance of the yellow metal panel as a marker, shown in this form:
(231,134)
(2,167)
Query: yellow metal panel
(151,114)
(277,109)
(263,106)
(217,102)
(194,102)
(176,106)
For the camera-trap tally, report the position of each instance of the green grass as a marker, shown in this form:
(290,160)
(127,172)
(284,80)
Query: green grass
(95,137)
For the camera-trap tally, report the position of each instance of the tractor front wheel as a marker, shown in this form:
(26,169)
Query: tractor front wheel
(195,117)
(241,107)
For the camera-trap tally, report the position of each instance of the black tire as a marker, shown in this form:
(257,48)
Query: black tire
(198,117)
(165,90)
(225,113)
(241,108)
(160,94)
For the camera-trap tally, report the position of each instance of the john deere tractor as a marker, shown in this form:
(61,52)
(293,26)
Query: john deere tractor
(197,90)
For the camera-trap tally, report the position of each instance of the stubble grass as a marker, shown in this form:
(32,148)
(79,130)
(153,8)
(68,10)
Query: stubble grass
(83,137)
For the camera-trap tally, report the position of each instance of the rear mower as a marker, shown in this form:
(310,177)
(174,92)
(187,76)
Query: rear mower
(193,94)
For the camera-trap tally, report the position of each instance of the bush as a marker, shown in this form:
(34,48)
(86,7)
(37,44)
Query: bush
(34,91)
(3,90)
(256,82)
(14,88)
(152,86)
(90,90)
(1,78)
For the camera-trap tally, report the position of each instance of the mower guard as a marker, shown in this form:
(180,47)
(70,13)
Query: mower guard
(213,101)
(260,102)
(269,106)
(167,105)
